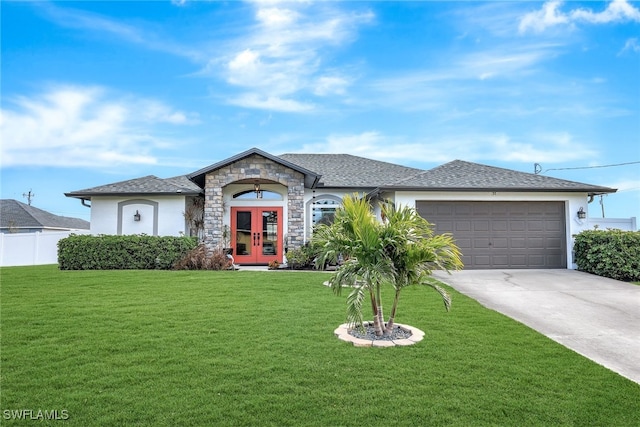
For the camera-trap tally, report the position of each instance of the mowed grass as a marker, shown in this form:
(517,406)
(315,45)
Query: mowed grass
(192,348)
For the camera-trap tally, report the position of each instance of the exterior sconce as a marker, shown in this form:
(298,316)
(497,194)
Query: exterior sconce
(256,188)
(136,216)
(581,213)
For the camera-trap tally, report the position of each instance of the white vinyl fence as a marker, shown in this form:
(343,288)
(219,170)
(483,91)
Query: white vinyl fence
(624,224)
(31,248)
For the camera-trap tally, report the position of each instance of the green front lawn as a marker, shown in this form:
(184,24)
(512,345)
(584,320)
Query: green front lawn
(257,349)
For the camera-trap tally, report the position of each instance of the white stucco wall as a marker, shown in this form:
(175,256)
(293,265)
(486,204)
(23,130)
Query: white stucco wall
(160,215)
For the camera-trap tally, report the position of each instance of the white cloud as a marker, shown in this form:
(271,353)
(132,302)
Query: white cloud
(276,17)
(279,56)
(625,185)
(455,85)
(153,111)
(284,54)
(547,148)
(550,15)
(616,11)
(245,69)
(247,59)
(502,62)
(329,85)
(272,103)
(83,126)
(131,33)
(631,45)
(546,17)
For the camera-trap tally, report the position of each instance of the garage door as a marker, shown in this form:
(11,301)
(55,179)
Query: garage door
(502,234)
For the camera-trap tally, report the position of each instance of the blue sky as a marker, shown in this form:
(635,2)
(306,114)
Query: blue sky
(98,92)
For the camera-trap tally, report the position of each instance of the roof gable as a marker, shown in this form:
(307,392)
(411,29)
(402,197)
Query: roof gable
(20,215)
(310,177)
(460,175)
(150,185)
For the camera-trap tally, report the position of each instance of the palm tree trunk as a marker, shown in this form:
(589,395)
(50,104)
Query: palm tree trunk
(392,317)
(374,310)
(379,315)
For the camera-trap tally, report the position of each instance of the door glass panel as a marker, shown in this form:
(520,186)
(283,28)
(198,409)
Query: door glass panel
(243,233)
(269,233)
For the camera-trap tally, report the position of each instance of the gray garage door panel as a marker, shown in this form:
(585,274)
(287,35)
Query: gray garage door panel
(502,234)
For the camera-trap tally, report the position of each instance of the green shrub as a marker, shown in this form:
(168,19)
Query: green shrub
(105,252)
(305,257)
(610,253)
(299,258)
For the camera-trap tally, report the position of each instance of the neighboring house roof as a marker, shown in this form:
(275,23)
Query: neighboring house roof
(459,175)
(15,214)
(147,185)
(310,177)
(345,170)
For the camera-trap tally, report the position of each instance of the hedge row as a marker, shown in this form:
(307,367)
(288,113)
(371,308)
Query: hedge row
(610,253)
(84,252)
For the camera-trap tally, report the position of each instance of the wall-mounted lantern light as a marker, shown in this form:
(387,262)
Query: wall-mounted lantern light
(581,213)
(256,188)
(136,216)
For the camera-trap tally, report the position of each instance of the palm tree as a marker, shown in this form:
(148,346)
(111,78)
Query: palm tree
(355,235)
(400,250)
(415,252)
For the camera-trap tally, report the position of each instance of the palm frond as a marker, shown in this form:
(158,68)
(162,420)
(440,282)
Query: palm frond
(347,276)
(354,306)
(446,298)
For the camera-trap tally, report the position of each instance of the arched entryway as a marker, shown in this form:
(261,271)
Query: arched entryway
(256,219)
(248,168)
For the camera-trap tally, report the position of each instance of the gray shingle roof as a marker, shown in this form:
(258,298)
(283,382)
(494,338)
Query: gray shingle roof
(150,185)
(15,214)
(466,176)
(345,170)
(348,171)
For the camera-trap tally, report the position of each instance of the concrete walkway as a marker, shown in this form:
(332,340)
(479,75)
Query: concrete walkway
(594,316)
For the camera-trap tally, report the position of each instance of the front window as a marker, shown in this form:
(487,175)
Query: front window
(324,210)
(259,194)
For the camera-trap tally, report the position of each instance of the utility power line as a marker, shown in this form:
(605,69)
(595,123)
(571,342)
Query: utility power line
(538,168)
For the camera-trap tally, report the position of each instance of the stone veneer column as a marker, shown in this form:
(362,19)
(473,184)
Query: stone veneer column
(253,167)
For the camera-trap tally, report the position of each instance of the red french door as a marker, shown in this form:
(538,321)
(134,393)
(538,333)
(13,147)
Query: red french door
(256,235)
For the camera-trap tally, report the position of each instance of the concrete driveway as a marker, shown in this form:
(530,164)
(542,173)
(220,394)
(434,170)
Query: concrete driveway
(594,316)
